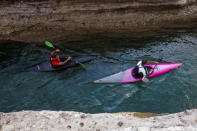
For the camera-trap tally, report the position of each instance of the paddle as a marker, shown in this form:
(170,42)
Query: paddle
(145,79)
(49,44)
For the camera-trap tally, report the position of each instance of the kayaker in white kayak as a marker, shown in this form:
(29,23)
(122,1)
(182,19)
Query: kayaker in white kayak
(144,72)
(55,59)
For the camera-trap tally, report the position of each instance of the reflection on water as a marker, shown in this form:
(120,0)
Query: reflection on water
(73,89)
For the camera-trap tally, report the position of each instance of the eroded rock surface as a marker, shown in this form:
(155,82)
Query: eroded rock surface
(65,20)
(75,121)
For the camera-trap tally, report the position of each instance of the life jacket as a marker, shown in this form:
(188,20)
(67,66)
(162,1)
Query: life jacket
(55,62)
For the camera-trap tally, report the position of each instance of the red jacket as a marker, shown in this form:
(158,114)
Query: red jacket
(55,62)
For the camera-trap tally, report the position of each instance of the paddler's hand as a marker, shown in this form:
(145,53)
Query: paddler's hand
(69,58)
(57,50)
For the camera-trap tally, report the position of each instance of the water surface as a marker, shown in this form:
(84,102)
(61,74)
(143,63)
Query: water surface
(73,90)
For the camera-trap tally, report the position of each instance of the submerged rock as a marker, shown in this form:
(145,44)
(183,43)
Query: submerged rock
(65,20)
(65,120)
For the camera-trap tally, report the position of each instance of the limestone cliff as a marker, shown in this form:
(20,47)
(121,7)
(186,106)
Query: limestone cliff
(64,20)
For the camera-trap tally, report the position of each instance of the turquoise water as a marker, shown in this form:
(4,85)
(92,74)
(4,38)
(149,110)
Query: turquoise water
(73,90)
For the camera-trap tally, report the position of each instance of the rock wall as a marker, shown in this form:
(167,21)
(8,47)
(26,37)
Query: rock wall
(75,121)
(65,20)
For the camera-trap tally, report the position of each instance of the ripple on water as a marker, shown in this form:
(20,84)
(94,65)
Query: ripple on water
(72,89)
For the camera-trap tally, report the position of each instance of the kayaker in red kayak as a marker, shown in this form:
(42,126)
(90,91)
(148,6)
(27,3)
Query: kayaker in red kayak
(55,59)
(144,72)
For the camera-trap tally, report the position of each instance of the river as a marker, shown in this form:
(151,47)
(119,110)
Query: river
(73,89)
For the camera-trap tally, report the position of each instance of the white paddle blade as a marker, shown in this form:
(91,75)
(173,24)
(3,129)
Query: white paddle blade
(145,79)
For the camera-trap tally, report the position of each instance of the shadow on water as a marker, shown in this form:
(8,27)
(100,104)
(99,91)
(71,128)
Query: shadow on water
(73,90)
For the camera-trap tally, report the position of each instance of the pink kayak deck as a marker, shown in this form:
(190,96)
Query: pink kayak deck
(159,69)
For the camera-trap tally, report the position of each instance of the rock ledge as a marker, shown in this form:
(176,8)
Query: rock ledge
(67,20)
(76,121)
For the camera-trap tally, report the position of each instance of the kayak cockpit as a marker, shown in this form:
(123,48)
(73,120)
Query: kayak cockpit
(135,72)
